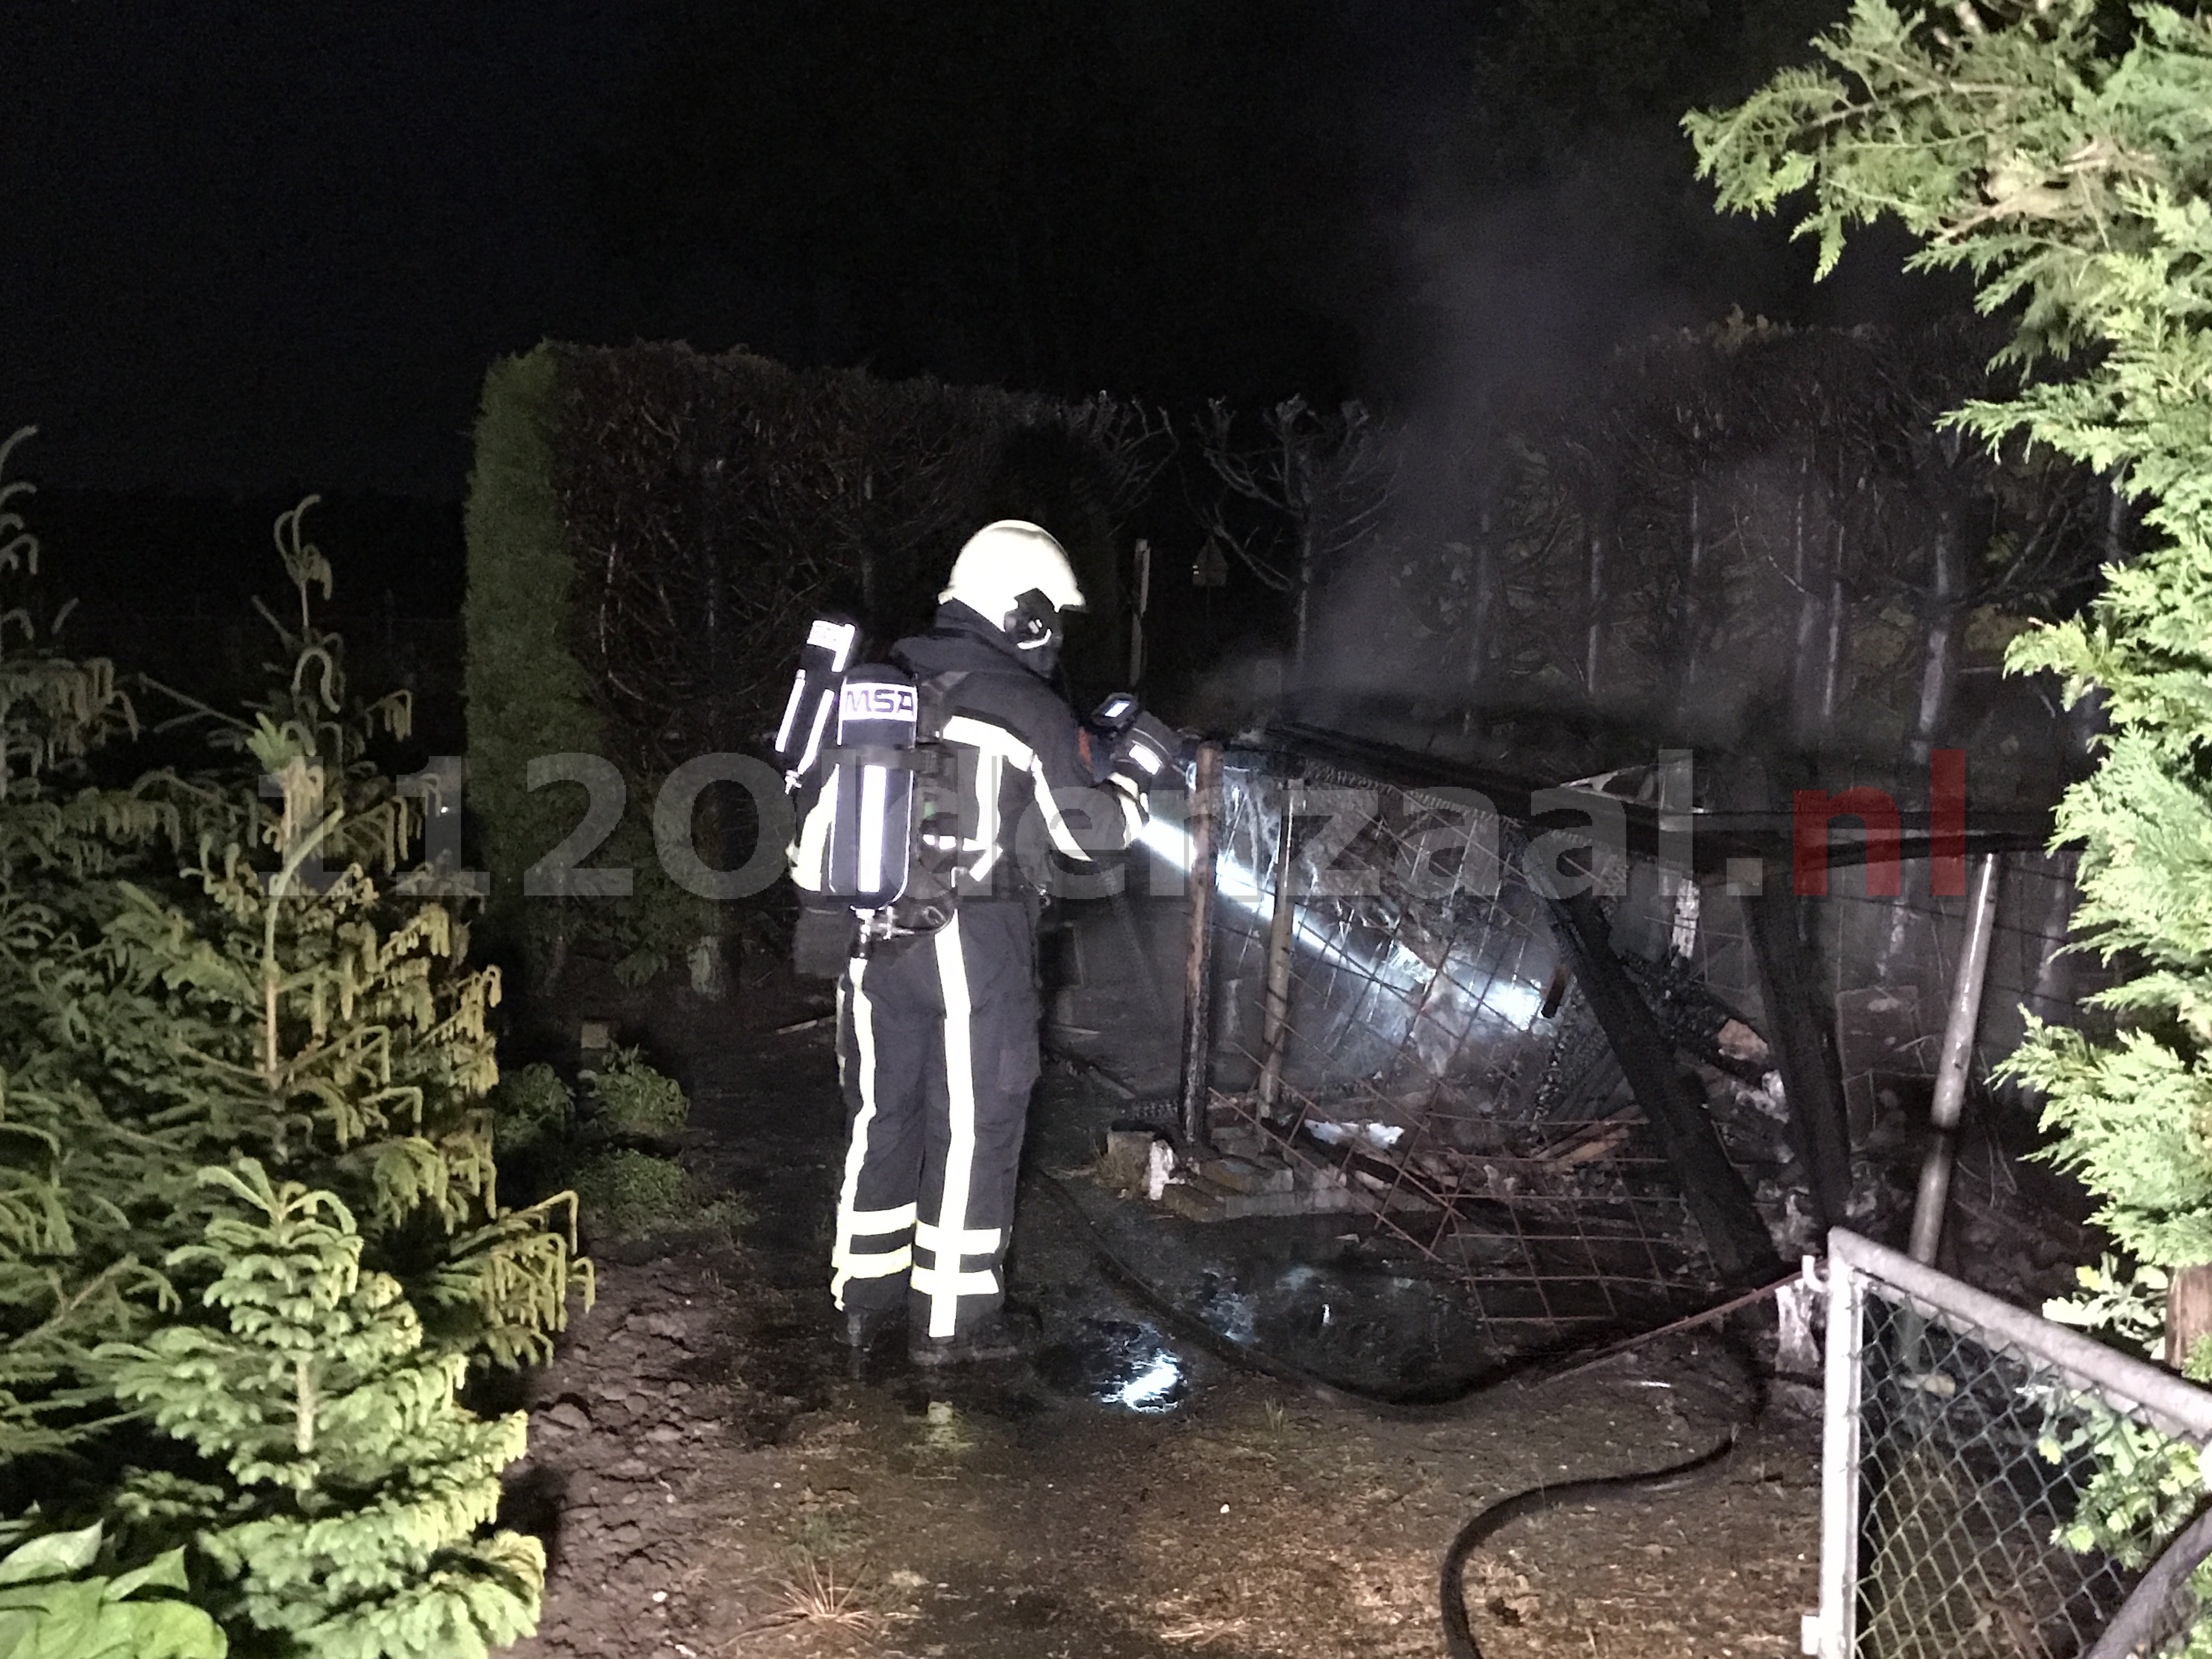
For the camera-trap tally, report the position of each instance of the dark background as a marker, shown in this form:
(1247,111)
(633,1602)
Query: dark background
(255,248)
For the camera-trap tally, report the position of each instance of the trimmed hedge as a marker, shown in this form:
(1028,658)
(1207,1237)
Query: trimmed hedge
(649,530)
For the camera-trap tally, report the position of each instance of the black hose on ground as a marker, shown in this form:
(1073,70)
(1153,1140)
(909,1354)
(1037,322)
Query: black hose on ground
(1459,1636)
(1451,1593)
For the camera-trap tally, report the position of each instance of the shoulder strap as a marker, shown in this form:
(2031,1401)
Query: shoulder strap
(933,703)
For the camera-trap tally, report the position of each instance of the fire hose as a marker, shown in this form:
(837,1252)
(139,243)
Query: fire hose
(1451,1594)
(1459,1636)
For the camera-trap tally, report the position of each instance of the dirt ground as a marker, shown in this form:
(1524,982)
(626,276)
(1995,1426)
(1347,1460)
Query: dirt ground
(709,1481)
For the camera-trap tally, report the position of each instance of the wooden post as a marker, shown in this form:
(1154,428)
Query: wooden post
(1719,1202)
(1802,1034)
(2188,1311)
(1198,955)
(1275,1025)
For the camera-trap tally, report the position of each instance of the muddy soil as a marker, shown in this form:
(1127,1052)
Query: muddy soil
(709,1481)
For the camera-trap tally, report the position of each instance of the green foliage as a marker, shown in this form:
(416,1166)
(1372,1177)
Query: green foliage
(53,1606)
(309,1017)
(342,1487)
(78,1179)
(2130,1305)
(623,1191)
(2145,1485)
(529,697)
(2130,1114)
(2011,138)
(2060,151)
(225,964)
(530,1109)
(634,1099)
(626,1193)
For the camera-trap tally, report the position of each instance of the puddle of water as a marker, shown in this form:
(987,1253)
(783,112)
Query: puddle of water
(1335,1318)
(1117,1363)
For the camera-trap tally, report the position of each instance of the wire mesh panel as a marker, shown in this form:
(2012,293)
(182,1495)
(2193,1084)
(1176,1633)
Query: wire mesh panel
(1552,1230)
(1394,1014)
(1426,1051)
(1891,957)
(1971,1507)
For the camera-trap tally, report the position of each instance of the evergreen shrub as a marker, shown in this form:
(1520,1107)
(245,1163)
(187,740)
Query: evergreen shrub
(635,1100)
(222,968)
(2060,151)
(530,1109)
(339,1486)
(627,1192)
(603,1148)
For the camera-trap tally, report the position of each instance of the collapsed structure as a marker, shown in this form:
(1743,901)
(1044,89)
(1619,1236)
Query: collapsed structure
(1589,1105)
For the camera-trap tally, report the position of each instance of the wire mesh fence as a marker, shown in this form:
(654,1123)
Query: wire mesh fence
(1406,1031)
(1970,1503)
(1891,959)
(1397,1018)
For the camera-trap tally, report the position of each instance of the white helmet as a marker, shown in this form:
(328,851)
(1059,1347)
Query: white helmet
(1002,572)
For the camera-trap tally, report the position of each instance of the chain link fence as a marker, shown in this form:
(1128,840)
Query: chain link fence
(1968,1509)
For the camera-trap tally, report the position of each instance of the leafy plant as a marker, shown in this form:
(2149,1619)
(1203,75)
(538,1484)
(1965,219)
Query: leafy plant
(628,1192)
(53,1606)
(634,1099)
(530,1109)
(2131,1305)
(2144,1485)
(342,1487)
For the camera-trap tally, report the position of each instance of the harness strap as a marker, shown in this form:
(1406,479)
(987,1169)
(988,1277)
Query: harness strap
(896,759)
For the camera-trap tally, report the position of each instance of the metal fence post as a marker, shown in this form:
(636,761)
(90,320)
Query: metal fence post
(1198,956)
(1955,1063)
(1839,1465)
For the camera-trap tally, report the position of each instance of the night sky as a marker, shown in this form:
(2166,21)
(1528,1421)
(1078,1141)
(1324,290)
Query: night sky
(252,246)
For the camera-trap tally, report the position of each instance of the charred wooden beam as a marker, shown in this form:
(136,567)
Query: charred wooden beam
(1804,1038)
(1198,955)
(1719,1202)
(1714,838)
(1275,1029)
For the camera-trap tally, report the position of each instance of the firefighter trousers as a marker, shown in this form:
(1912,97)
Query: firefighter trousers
(937,1054)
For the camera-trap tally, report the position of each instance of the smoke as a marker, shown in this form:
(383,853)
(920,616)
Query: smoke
(1512,321)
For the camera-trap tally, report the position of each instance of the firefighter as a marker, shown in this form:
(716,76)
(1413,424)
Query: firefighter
(938,1000)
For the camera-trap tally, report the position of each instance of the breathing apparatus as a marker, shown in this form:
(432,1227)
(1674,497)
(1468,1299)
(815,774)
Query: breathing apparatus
(864,739)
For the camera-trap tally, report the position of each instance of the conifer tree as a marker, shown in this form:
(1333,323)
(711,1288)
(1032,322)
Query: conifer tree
(2061,152)
(341,1485)
(307,1004)
(76,1183)
(223,964)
